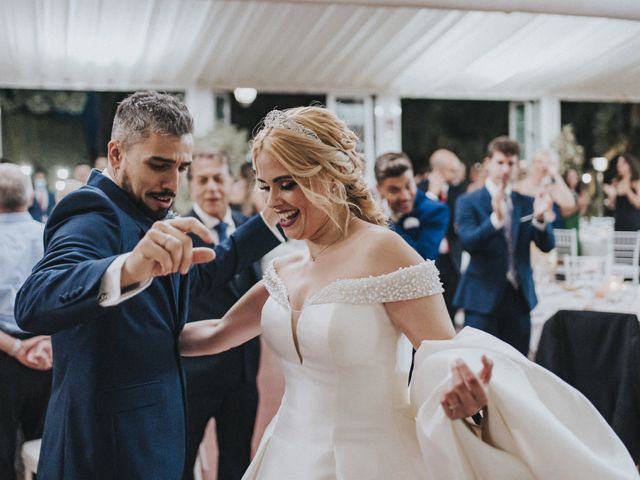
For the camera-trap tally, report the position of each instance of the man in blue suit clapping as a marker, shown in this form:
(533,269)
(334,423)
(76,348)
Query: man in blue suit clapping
(113,290)
(496,226)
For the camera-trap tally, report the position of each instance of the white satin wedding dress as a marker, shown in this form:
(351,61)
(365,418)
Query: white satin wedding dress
(346,412)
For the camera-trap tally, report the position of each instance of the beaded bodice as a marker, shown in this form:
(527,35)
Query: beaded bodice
(344,387)
(405,283)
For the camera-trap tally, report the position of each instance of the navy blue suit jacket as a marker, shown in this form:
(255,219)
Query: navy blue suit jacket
(213,372)
(425,226)
(117,407)
(482,284)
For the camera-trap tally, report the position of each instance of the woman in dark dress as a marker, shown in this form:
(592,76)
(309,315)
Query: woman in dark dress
(624,194)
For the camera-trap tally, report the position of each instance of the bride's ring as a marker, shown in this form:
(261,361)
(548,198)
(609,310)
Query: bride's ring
(453,407)
(166,239)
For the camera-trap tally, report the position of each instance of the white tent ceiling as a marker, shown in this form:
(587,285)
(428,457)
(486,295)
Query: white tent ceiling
(579,49)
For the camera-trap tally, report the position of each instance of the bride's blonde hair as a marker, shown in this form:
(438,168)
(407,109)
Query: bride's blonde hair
(319,151)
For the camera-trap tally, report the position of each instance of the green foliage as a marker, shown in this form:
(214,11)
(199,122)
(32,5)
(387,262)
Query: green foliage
(231,139)
(570,154)
(41,102)
(610,134)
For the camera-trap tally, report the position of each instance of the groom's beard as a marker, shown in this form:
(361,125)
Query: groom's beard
(159,214)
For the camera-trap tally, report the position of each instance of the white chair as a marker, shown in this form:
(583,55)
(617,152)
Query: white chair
(625,255)
(566,244)
(602,222)
(30,455)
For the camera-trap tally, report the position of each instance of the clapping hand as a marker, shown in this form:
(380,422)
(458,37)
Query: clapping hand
(623,187)
(468,394)
(609,190)
(436,183)
(498,203)
(166,248)
(541,206)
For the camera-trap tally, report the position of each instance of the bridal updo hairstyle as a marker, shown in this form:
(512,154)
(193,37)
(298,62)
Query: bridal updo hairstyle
(319,152)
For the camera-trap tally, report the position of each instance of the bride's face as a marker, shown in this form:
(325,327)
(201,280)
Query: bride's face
(299,218)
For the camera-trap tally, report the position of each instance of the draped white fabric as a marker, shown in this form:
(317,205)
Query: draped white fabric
(540,427)
(402,48)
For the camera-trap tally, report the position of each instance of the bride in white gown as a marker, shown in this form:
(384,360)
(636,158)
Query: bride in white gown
(333,317)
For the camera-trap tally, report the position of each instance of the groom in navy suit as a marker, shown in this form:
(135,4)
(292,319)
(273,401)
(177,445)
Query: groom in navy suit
(496,226)
(113,290)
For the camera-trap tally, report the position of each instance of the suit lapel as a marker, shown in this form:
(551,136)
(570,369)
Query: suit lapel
(485,202)
(239,219)
(175,289)
(122,199)
(515,225)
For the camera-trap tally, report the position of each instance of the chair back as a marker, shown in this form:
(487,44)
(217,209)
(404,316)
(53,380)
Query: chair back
(566,241)
(602,222)
(625,255)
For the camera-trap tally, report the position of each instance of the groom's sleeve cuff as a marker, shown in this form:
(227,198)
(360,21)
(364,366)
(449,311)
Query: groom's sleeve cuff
(111,293)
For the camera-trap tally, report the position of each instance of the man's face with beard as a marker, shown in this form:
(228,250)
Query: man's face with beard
(150,169)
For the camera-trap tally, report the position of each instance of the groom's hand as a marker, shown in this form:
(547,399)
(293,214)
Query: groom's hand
(166,248)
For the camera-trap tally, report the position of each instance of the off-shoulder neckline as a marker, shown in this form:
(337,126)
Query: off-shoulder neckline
(271,270)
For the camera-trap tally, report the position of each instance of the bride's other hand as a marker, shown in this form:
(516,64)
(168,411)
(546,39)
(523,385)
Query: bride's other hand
(468,395)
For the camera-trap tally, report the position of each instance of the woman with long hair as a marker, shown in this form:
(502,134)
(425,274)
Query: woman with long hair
(623,194)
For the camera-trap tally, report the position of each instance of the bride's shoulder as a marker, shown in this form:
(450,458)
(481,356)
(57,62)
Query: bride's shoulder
(285,262)
(384,251)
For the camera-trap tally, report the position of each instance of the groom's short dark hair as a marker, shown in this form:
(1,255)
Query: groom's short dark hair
(143,113)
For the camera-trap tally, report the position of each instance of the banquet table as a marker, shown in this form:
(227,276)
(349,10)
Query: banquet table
(554,296)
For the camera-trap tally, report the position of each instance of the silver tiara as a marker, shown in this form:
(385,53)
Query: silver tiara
(278,119)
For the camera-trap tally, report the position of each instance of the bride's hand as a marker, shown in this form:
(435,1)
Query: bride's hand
(468,395)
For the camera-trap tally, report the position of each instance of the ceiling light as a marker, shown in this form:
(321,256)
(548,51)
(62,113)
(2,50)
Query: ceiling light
(245,96)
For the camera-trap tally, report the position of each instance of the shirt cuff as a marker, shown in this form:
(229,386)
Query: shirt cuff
(432,196)
(273,229)
(111,293)
(497,224)
(539,225)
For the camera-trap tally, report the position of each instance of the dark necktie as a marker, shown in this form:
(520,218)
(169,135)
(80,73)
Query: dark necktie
(512,275)
(221,228)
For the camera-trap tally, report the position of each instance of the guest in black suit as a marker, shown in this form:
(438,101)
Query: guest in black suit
(221,386)
(440,185)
